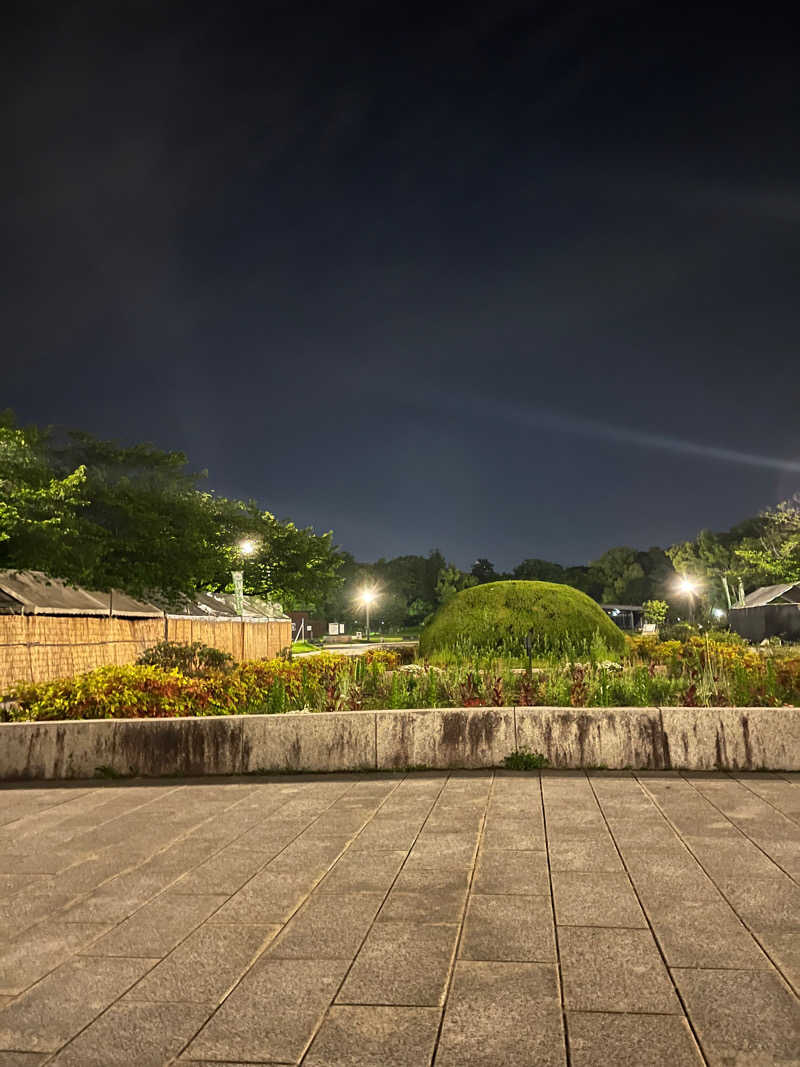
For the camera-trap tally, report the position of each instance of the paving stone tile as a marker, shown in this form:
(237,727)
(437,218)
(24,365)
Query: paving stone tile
(401,963)
(12,884)
(781,794)
(784,854)
(50,1013)
(444,850)
(592,899)
(432,879)
(119,897)
(512,872)
(502,1013)
(156,928)
(440,907)
(269,897)
(741,1017)
(388,833)
(597,1039)
(360,872)
(514,834)
(508,928)
(310,856)
(272,1014)
(205,966)
(225,873)
(144,1035)
(35,953)
(614,970)
(345,822)
(22,1059)
(764,901)
(374,1037)
(329,926)
(704,934)
(782,944)
(660,873)
(594,852)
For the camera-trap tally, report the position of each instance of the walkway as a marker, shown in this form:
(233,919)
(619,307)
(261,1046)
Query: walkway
(466,919)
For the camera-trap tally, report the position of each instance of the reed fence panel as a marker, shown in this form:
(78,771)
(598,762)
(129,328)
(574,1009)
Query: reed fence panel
(41,648)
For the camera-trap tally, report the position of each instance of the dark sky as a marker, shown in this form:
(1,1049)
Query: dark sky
(510,279)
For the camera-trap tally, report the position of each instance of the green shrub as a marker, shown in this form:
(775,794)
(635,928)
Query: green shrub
(195,661)
(499,615)
(132,692)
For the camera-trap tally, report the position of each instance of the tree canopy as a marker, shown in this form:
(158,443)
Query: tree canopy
(139,519)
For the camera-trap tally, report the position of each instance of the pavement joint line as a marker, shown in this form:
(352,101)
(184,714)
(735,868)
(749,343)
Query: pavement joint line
(739,830)
(283,925)
(454,958)
(764,800)
(564,1022)
(317,1029)
(207,919)
(724,896)
(657,943)
(128,870)
(744,833)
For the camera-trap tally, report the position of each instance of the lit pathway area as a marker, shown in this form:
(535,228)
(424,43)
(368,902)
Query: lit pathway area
(459,919)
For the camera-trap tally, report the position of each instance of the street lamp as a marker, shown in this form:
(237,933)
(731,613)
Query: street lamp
(689,589)
(245,548)
(367,597)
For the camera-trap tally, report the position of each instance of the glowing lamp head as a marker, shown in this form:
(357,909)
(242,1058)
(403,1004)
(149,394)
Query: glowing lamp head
(247,547)
(718,613)
(686,585)
(367,596)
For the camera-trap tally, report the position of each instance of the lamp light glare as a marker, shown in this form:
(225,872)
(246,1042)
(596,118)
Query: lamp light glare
(247,547)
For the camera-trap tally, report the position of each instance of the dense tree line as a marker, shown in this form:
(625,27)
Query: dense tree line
(139,519)
(761,550)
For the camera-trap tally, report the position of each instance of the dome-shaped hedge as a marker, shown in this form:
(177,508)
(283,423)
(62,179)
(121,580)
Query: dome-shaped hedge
(500,614)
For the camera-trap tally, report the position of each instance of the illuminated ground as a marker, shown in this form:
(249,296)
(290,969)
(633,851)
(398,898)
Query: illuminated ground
(464,919)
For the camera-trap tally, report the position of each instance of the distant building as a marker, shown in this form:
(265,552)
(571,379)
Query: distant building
(771,611)
(626,616)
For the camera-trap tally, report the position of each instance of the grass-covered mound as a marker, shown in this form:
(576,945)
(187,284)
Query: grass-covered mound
(498,616)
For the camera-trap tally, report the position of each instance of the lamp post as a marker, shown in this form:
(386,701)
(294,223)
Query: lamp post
(689,588)
(245,548)
(368,596)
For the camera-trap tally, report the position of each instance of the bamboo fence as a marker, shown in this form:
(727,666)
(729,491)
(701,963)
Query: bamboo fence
(41,648)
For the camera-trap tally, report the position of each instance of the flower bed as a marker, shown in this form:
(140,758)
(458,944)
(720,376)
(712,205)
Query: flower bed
(694,673)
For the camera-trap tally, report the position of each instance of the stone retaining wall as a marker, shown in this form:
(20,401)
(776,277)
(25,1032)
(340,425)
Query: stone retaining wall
(655,738)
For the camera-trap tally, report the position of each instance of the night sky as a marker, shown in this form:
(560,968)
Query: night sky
(508,279)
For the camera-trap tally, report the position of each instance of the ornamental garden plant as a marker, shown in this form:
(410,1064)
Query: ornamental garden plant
(709,671)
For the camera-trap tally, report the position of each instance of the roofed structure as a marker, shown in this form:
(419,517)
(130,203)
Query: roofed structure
(34,593)
(783,593)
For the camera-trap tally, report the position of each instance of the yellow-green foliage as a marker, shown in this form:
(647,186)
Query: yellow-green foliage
(145,691)
(500,614)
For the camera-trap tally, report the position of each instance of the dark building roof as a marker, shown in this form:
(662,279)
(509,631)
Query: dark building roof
(33,593)
(783,593)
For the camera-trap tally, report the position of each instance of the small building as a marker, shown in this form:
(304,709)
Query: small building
(307,626)
(626,616)
(771,611)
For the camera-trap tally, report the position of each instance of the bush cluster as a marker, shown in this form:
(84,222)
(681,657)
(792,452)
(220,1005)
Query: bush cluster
(500,615)
(702,672)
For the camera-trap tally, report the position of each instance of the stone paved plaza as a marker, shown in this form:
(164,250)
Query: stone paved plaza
(460,919)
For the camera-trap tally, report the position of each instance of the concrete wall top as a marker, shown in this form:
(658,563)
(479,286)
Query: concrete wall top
(440,738)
